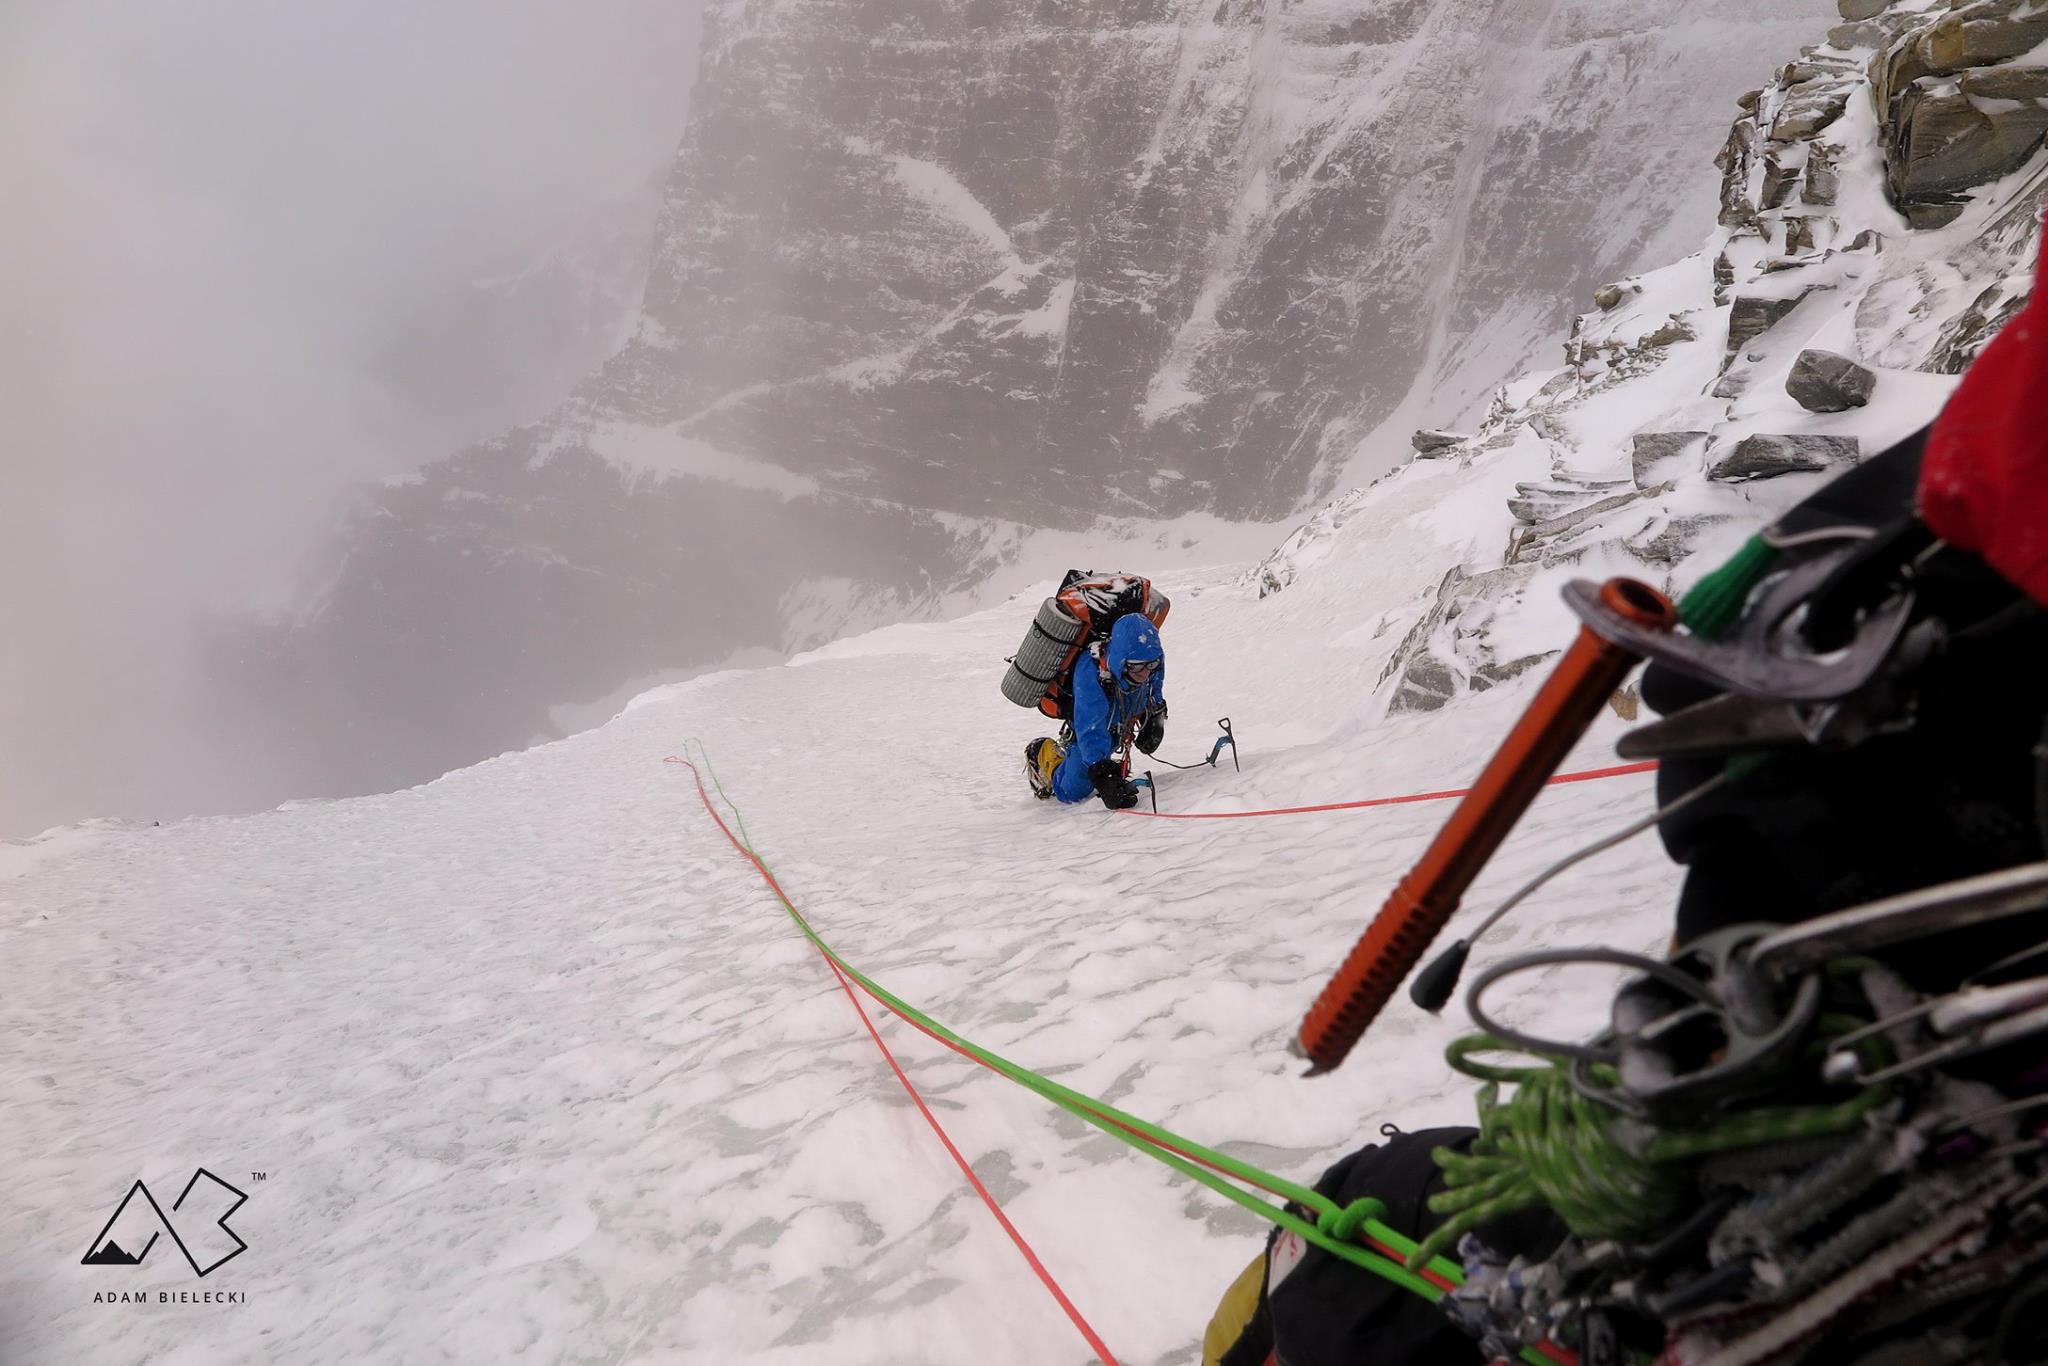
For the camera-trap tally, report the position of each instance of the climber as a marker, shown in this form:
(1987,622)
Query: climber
(1119,701)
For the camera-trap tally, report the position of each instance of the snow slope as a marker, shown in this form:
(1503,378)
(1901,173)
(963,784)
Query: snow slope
(534,1066)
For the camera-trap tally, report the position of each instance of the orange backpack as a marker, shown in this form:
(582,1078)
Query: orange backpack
(1082,611)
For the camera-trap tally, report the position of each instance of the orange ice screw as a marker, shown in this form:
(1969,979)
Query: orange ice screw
(1424,901)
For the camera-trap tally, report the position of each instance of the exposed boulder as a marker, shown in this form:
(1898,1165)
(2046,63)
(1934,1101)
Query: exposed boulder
(1950,137)
(1608,296)
(1808,114)
(1866,34)
(1987,31)
(1429,442)
(1823,180)
(1971,330)
(2006,82)
(1751,316)
(1736,156)
(1455,625)
(1935,212)
(1670,332)
(1782,167)
(1951,117)
(1535,503)
(1823,382)
(1653,448)
(1853,10)
(1768,456)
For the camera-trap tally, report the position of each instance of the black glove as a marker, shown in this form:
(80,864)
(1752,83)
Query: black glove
(1152,732)
(1118,793)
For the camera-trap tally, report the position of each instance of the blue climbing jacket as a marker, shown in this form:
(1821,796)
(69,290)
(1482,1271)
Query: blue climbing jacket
(1105,701)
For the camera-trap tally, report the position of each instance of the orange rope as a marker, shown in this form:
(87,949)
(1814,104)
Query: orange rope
(1583,776)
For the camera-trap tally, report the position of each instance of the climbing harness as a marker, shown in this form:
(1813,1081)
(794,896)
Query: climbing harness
(1823,1142)
(1777,1141)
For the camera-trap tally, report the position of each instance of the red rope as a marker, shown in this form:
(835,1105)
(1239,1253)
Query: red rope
(1583,776)
(1562,1355)
(1038,1268)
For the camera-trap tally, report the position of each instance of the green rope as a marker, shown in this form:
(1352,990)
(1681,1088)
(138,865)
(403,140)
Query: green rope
(1334,1229)
(1547,1145)
(1551,1146)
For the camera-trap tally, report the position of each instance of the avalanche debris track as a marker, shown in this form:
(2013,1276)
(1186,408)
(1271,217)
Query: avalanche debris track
(534,1064)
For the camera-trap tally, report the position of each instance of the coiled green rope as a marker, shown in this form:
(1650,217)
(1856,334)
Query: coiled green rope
(1551,1146)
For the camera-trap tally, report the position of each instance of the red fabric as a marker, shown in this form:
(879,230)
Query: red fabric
(1984,478)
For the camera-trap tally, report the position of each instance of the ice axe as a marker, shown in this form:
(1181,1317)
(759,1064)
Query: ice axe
(1215,750)
(1424,901)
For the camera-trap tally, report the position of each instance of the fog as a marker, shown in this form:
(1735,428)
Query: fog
(239,245)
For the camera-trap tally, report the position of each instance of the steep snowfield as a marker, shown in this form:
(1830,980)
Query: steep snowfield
(533,1064)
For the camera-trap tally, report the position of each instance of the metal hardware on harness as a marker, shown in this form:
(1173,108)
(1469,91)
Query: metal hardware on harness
(1686,1038)
(1766,657)
(1964,1022)
(1912,915)
(1883,704)
(1861,1228)
(1761,990)
(1686,1055)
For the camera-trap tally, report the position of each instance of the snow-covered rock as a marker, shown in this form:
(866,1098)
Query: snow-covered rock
(1677,425)
(1823,382)
(1768,455)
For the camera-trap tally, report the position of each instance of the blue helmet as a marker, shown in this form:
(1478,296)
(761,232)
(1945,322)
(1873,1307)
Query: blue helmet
(1133,641)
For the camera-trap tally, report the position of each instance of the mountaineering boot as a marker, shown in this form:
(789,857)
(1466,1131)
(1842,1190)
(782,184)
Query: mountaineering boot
(1041,758)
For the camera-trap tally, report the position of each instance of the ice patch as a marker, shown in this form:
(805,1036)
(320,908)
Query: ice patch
(1050,318)
(942,191)
(666,452)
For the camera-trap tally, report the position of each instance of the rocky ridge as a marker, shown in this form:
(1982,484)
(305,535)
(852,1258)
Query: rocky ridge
(1869,228)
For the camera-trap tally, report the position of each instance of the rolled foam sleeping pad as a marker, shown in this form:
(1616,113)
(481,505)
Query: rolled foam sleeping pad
(1052,634)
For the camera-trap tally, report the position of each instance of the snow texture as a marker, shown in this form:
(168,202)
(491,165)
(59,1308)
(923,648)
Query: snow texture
(535,1066)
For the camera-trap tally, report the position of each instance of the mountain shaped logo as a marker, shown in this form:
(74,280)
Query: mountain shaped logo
(112,1253)
(197,1224)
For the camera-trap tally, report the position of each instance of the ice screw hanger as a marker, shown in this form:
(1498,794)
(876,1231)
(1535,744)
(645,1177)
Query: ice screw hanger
(1424,900)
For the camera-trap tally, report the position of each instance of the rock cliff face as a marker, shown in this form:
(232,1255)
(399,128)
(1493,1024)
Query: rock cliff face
(928,270)
(1172,254)
(1875,234)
